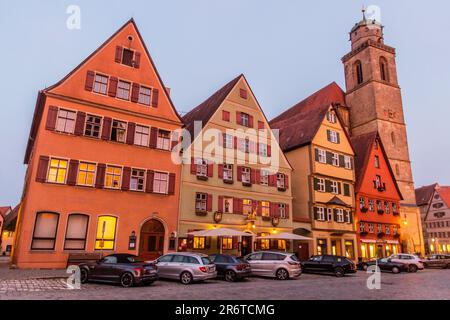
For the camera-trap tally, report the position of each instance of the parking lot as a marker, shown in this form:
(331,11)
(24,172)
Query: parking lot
(427,284)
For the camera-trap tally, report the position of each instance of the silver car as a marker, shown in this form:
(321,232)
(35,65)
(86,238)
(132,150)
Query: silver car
(274,264)
(186,267)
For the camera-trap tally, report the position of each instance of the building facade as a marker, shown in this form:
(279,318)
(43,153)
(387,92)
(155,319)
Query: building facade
(318,147)
(245,186)
(434,204)
(8,217)
(374,102)
(100,178)
(378,196)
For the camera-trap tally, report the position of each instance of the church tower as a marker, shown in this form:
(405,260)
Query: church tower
(374,99)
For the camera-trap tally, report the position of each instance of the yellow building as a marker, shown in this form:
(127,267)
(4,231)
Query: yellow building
(243,185)
(318,148)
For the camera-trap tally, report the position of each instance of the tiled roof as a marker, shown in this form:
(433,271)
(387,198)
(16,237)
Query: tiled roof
(444,192)
(299,124)
(336,201)
(4,211)
(204,111)
(11,218)
(423,194)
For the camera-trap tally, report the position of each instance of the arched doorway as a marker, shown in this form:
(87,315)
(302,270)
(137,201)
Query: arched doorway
(151,240)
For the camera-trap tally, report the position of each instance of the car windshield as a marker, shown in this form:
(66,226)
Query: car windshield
(206,260)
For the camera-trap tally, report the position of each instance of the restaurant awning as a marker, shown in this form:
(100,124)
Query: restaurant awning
(285,236)
(218,232)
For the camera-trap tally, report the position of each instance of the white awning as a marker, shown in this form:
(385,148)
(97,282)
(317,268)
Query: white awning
(218,232)
(368,241)
(285,236)
(392,241)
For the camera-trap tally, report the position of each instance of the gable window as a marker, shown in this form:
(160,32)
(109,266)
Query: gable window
(334,187)
(76,232)
(202,168)
(335,159)
(265,208)
(141,136)
(118,131)
(331,117)
(200,202)
(362,227)
(333,136)
(93,124)
(163,141)
(127,57)
(45,230)
(228,172)
(247,207)
(160,182)
(86,174)
(280,181)
(386,207)
(362,202)
(371,227)
(348,216)
(144,95)
(264,178)
(57,171)
(228,141)
(66,121)
(322,156)
(123,90)
(339,215)
(137,180)
(100,84)
(320,213)
(371,205)
(377,162)
(282,210)
(228,205)
(359,72)
(245,119)
(347,162)
(246,175)
(106,233)
(377,182)
(112,177)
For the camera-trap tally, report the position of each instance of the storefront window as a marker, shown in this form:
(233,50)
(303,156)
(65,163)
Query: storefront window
(388,250)
(264,243)
(364,251)
(349,249)
(281,245)
(199,243)
(227,243)
(321,246)
(371,251)
(106,233)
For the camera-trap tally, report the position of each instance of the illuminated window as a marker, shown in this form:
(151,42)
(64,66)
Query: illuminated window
(349,249)
(281,244)
(264,243)
(199,243)
(77,225)
(86,174)
(321,246)
(265,208)
(100,84)
(45,230)
(363,251)
(227,243)
(247,206)
(163,141)
(372,251)
(113,175)
(57,171)
(65,121)
(160,182)
(141,136)
(106,233)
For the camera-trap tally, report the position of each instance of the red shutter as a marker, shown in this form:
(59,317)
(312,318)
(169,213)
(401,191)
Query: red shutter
(258,176)
(286,181)
(250,121)
(112,90)
(172,181)
(236,206)
(79,124)
(193,166)
(287,210)
(238,117)
(89,84)
(210,170)
(52,115)
(241,206)
(153,137)
(269,151)
(106,130)
(137,59)
(220,166)
(126,178)
(252,176)
(155,97)
(118,57)
(209,203)
(149,182)
(135,92)
(243,93)
(41,175)
(130,132)
(259,209)
(239,173)
(100,179)
(225,115)
(72,173)
(235,143)
(260,125)
(220,204)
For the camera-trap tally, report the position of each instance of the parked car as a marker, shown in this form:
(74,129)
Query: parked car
(231,268)
(385,264)
(437,261)
(413,262)
(338,265)
(186,267)
(274,264)
(126,269)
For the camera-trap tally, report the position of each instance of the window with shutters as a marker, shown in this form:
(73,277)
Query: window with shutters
(263,150)
(362,226)
(348,217)
(86,174)
(281,181)
(113,176)
(245,119)
(247,208)
(137,180)
(379,205)
(142,136)
(100,84)
(330,214)
(387,209)
(228,141)
(320,213)
(331,117)
(201,200)
(264,178)
(333,136)
(335,160)
(371,205)
(45,230)
(387,230)
(321,184)
(106,233)
(335,187)
(144,95)
(92,127)
(347,162)
(340,215)
(127,57)
(123,90)
(282,210)
(118,131)
(160,182)
(265,208)
(57,171)
(76,232)
(379,228)
(394,207)
(65,122)
(227,243)
(202,168)
(246,175)
(322,156)
(371,227)
(228,205)
(228,172)
(246,145)
(199,243)
(163,141)
(394,230)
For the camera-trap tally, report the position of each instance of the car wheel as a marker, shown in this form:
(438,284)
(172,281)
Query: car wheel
(412,268)
(395,270)
(282,274)
(127,280)
(186,278)
(230,276)
(339,272)
(84,275)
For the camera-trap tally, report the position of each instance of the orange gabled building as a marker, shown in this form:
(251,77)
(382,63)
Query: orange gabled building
(378,198)
(100,178)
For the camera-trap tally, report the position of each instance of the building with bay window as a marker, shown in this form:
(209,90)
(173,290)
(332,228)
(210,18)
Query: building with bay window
(100,178)
(243,185)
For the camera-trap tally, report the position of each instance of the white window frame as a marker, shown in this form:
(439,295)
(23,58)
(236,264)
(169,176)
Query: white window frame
(163,143)
(245,119)
(322,156)
(371,228)
(282,210)
(137,177)
(264,178)
(371,205)
(246,175)
(201,168)
(321,184)
(263,149)
(201,200)
(160,190)
(62,121)
(321,214)
(280,180)
(348,216)
(140,133)
(331,117)
(143,96)
(228,172)
(335,159)
(387,229)
(334,187)
(348,162)
(362,226)
(333,136)
(340,215)
(228,141)
(362,202)
(122,92)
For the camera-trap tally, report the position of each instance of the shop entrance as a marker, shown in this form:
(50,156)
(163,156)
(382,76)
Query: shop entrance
(151,240)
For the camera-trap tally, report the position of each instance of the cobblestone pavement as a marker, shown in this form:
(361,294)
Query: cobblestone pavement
(427,284)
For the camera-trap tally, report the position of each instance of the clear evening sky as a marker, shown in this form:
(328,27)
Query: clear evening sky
(286,49)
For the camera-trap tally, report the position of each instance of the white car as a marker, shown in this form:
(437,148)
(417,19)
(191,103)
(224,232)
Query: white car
(414,263)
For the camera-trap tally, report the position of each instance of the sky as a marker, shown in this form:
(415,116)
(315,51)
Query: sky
(287,50)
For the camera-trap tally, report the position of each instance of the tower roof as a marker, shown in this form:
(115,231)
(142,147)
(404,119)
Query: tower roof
(365,22)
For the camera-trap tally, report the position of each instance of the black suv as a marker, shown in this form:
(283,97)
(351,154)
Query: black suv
(337,265)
